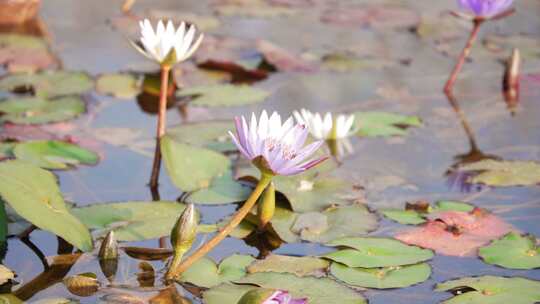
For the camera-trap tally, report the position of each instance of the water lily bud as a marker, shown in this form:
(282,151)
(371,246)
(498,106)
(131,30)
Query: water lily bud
(185,230)
(266,296)
(267,206)
(511,80)
(109,247)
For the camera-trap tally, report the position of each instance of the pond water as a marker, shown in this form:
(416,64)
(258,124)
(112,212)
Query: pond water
(400,72)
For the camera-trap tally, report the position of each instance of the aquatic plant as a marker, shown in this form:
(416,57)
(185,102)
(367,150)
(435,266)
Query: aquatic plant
(167,47)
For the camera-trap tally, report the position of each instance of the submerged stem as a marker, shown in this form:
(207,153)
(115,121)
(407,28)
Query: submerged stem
(463,56)
(225,231)
(160,125)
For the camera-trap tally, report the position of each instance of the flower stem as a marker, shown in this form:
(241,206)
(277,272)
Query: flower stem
(226,230)
(177,259)
(160,125)
(463,56)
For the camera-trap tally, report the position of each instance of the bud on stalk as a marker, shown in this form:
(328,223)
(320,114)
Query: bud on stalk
(511,80)
(183,234)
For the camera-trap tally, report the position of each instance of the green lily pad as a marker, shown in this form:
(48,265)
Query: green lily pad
(492,290)
(512,251)
(5,274)
(34,194)
(325,226)
(36,110)
(132,221)
(118,85)
(382,278)
(9,298)
(192,168)
(51,154)
(316,290)
(205,272)
(206,134)
(49,84)
(374,124)
(220,95)
(6,149)
(314,192)
(505,173)
(300,266)
(223,189)
(414,217)
(376,252)
(406,217)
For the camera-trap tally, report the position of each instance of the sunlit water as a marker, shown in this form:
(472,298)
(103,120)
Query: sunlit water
(84,40)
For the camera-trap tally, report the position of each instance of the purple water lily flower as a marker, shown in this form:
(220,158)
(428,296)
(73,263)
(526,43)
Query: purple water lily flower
(275,148)
(485,8)
(283,297)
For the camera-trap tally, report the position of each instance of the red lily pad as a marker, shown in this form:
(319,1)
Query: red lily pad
(457,233)
(372,16)
(24,53)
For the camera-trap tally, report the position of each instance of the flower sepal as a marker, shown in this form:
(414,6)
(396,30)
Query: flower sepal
(262,164)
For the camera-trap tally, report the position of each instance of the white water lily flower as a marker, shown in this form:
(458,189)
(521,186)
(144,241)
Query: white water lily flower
(327,127)
(167,45)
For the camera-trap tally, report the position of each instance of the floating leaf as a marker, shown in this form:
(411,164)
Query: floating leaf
(5,274)
(406,217)
(377,16)
(148,254)
(24,53)
(36,110)
(49,84)
(6,149)
(512,251)
(314,192)
(132,221)
(205,272)
(223,189)
(224,95)
(376,252)
(118,85)
(325,226)
(83,285)
(284,60)
(205,134)
(192,168)
(373,124)
(300,266)
(382,278)
(34,194)
(505,173)
(253,8)
(50,154)
(316,290)
(10,299)
(491,289)
(410,216)
(456,233)
(346,62)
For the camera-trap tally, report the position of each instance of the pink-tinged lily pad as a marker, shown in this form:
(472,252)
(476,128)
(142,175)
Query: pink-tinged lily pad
(24,53)
(284,60)
(372,16)
(457,233)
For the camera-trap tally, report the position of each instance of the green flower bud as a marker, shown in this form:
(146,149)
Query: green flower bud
(185,230)
(109,247)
